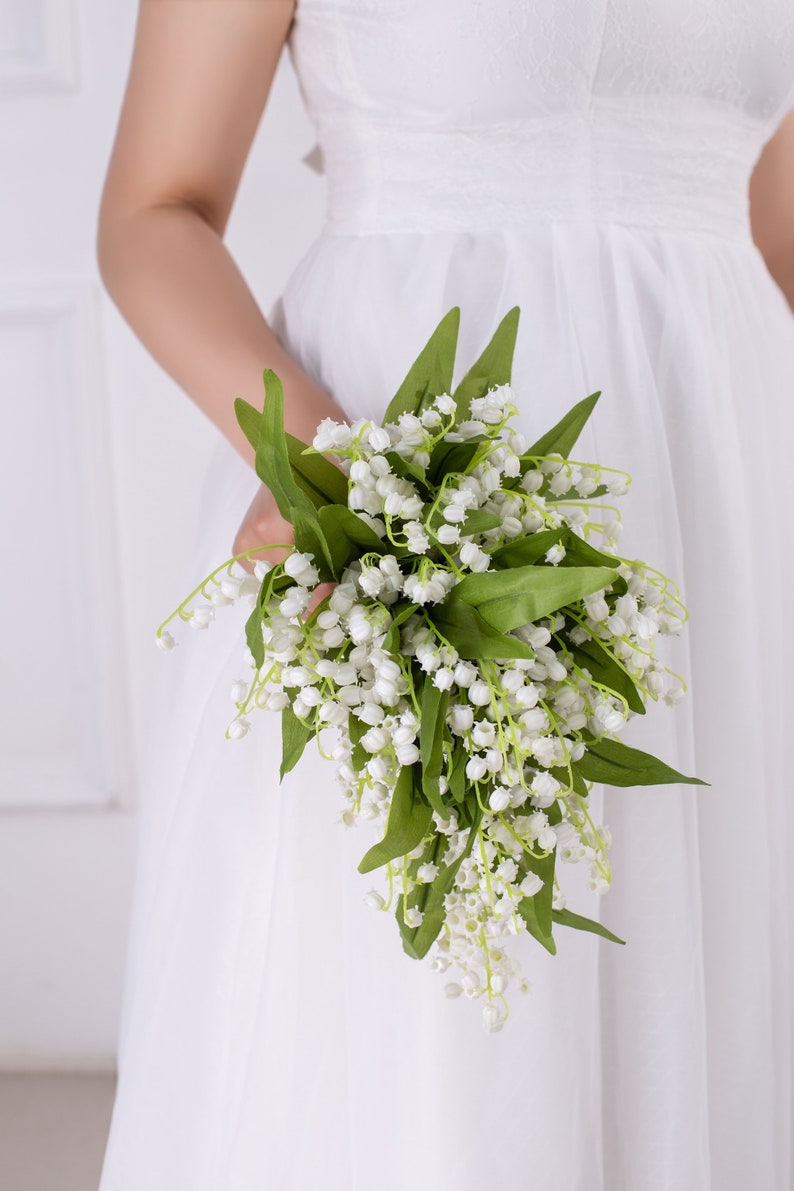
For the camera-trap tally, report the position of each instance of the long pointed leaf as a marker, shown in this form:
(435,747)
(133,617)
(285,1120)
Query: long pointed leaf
(605,668)
(347,536)
(248,419)
(536,910)
(431,743)
(615,764)
(507,599)
(272,457)
(473,638)
(579,553)
(310,539)
(525,551)
(418,940)
(561,438)
(579,922)
(321,480)
(431,372)
(494,366)
(295,735)
(409,820)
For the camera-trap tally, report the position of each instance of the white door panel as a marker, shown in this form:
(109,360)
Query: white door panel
(101,462)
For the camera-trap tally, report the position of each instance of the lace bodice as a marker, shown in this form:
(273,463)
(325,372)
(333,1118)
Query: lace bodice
(445,114)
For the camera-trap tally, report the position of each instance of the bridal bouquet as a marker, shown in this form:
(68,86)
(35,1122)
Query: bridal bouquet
(476,659)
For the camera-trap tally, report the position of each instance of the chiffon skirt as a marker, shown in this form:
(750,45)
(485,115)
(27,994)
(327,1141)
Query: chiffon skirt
(274,1035)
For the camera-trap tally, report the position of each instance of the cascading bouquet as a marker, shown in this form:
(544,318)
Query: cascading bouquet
(477,655)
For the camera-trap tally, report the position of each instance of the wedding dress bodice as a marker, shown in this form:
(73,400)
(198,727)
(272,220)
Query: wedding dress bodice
(440,115)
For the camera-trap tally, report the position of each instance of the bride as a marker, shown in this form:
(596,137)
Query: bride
(625,174)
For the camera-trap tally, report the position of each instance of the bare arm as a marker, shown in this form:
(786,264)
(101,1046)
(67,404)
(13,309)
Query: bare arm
(772,206)
(199,80)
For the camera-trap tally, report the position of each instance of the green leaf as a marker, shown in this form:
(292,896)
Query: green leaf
(347,536)
(295,735)
(272,457)
(536,911)
(321,481)
(579,922)
(473,638)
(310,539)
(615,764)
(253,626)
(561,438)
(575,779)
(528,911)
(527,550)
(248,419)
(579,553)
(408,823)
(356,729)
(429,898)
(407,470)
(508,599)
(452,457)
(391,643)
(606,669)
(431,372)
(494,367)
(275,471)
(431,743)
(457,773)
(254,638)
(478,521)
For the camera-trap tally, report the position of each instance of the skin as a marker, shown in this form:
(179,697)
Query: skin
(199,80)
(772,205)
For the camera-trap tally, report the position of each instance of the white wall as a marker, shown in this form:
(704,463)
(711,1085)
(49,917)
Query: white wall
(92,559)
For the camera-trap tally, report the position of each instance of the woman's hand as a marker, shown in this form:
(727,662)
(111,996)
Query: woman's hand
(263,524)
(307,405)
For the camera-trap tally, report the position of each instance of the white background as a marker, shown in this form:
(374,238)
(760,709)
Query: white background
(101,461)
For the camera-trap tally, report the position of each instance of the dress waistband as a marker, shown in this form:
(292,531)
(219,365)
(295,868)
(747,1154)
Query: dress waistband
(685,173)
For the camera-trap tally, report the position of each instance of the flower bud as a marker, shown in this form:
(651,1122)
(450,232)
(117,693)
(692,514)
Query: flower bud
(476,768)
(379,439)
(218,599)
(238,729)
(300,567)
(442,679)
(465,674)
(494,760)
(360,472)
(479,693)
(448,535)
(202,617)
(547,838)
(531,885)
(500,799)
(483,734)
(461,718)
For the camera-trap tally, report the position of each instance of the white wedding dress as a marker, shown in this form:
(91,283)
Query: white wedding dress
(590,163)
